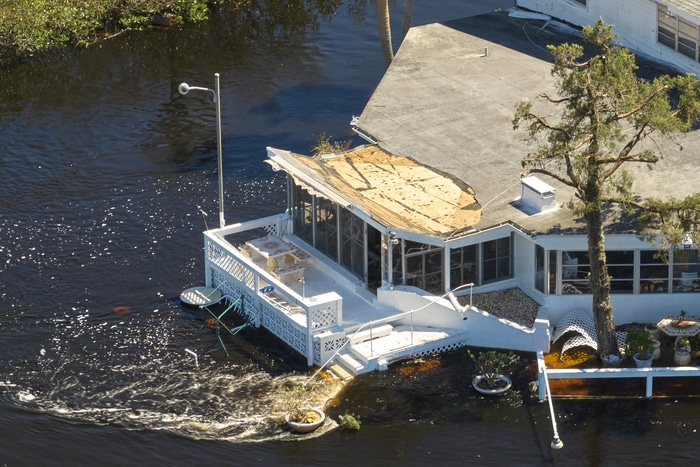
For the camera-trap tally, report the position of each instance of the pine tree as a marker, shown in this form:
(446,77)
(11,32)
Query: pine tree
(605,110)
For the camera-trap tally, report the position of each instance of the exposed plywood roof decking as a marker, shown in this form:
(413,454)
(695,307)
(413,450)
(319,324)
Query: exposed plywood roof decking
(448,101)
(396,191)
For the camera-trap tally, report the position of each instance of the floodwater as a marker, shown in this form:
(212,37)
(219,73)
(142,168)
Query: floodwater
(105,171)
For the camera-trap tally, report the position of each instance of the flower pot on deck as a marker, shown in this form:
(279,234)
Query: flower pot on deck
(312,419)
(492,385)
(682,357)
(653,329)
(643,363)
(657,349)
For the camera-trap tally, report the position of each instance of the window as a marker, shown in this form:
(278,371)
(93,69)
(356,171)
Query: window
(540,260)
(653,272)
(575,272)
(352,243)
(497,261)
(424,266)
(326,227)
(681,271)
(687,38)
(677,33)
(302,214)
(576,269)
(685,271)
(621,271)
(397,262)
(464,266)
(582,2)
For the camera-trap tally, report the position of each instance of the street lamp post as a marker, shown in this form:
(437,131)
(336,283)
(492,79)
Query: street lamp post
(184,88)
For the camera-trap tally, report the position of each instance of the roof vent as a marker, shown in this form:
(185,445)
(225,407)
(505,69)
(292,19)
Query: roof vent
(537,194)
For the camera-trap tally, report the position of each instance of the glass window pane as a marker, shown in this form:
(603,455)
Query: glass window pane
(302,214)
(650,257)
(352,243)
(539,268)
(463,266)
(619,257)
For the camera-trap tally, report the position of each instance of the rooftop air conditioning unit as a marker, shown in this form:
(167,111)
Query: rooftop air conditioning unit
(537,194)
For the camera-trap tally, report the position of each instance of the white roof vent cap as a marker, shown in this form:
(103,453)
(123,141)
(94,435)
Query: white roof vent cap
(537,195)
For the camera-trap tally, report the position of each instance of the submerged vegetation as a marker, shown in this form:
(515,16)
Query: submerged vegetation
(34,28)
(350,422)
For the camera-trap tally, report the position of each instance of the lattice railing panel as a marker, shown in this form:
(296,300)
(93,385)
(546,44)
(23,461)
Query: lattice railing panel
(324,317)
(326,346)
(231,289)
(271,229)
(231,264)
(284,329)
(430,349)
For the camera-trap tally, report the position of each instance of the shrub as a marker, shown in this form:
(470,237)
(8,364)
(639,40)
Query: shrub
(350,421)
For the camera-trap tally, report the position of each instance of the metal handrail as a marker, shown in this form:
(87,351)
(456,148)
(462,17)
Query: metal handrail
(381,321)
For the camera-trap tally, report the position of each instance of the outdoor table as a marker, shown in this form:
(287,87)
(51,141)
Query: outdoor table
(270,248)
(679,326)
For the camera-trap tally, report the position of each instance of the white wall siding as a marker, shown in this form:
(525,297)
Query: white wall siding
(524,266)
(634,20)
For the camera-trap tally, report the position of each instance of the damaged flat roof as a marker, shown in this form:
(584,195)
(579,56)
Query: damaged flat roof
(396,191)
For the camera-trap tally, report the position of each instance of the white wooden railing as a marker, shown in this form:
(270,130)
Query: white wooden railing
(604,373)
(267,301)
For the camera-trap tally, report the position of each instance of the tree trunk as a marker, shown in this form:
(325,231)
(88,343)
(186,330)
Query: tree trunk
(385,31)
(600,285)
(407,18)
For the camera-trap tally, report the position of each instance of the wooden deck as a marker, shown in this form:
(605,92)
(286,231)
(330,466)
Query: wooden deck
(619,386)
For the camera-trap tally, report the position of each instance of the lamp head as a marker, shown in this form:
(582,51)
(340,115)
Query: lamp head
(184,88)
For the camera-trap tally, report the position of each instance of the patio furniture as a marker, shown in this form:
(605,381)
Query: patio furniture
(678,326)
(271,248)
(288,269)
(689,282)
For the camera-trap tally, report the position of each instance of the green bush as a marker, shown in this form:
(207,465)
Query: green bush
(32,27)
(350,422)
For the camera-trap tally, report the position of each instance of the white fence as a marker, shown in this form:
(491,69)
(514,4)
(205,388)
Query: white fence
(604,373)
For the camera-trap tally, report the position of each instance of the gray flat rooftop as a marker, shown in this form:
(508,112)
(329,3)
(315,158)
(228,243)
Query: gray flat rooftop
(448,100)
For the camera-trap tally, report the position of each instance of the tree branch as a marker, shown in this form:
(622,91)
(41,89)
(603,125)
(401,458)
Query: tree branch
(548,173)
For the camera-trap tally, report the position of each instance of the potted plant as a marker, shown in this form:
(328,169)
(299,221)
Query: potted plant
(682,351)
(299,416)
(640,346)
(490,365)
(653,329)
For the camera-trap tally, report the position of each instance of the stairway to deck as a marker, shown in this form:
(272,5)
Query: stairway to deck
(386,344)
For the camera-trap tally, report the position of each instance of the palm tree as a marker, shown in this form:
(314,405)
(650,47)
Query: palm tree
(385,31)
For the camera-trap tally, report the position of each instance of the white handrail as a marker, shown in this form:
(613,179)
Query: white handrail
(556,442)
(380,321)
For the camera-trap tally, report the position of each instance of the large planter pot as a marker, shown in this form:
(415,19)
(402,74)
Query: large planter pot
(612,361)
(307,427)
(653,329)
(657,349)
(504,384)
(681,357)
(643,363)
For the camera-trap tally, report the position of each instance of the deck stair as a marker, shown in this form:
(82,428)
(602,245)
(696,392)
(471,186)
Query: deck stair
(348,360)
(352,360)
(371,333)
(340,372)
(386,344)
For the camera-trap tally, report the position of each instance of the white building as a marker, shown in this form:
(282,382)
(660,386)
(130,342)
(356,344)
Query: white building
(361,267)
(663,30)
